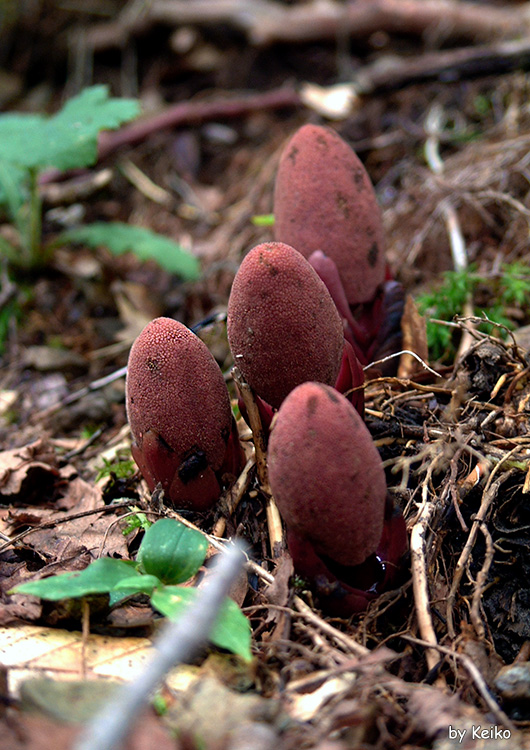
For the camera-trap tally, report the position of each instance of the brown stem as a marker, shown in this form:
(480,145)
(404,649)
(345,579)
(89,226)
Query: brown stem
(186,113)
(266,21)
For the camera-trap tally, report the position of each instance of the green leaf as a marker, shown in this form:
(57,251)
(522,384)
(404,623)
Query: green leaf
(145,244)
(68,139)
(137,584)
(100,577)
(263,220)
(171,551)
(231,629)
(13,187)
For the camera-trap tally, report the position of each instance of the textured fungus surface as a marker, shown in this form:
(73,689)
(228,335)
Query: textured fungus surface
(326,475)
(179,412)
(283,327)
(324,200)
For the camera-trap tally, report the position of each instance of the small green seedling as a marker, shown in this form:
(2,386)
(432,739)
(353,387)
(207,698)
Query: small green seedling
(263,220)
(121,469)
(170,554)
(32,143)
(510,288)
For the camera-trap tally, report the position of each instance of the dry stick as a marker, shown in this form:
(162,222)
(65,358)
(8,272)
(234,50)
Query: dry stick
(480,584)
(398,354)
(195,112)
(420,586)
(274,521)
(265,21)
(342,639)
(490,492)
(477,678)
(81,393)
(462,63)
(179,641)
(232,497)
(110,378)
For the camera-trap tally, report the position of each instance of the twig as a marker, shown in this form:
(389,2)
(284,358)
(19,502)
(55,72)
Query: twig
(489,495)
(266,21)
(398,354)
(274,521)
(179,641)
(258,433)
(232,497)
(186,113)
(464,62)
(481,582)
(147,187)
(419,571)
(477,678)
(342,639)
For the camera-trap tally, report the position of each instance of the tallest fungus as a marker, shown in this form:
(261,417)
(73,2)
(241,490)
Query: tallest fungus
(325,206)
(324,200)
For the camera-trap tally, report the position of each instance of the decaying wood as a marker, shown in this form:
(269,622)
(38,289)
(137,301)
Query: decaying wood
(390,72)
(265,21)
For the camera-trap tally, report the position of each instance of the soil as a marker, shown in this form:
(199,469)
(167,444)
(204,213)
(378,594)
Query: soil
(441,651)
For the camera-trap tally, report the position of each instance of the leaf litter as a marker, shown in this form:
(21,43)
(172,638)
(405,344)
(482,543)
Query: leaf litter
(424,657)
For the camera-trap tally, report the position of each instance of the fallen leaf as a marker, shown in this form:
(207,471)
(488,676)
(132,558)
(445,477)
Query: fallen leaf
(35,651)
(22,470)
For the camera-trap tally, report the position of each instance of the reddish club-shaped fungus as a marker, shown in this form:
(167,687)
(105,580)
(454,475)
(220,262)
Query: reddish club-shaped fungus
(283,326)
(324,200)
(325,206)
(184,434)
(343,532)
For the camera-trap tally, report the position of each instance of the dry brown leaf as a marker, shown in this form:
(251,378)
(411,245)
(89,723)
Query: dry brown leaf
(414,332)
(26,467)
(24,731)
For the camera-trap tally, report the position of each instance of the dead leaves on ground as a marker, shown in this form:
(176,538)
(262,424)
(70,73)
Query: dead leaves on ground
(63,519)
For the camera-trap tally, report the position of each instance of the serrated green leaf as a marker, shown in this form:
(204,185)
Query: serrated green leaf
(100,577)
(231,629)
(147,245)
(68,139)
(171,551)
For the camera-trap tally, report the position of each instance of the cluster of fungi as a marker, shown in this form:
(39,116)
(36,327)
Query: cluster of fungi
(306,313)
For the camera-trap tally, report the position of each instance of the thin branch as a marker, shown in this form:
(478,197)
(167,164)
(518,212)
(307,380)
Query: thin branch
(490,493)
(477,678)
(274,521)
(420,585)
(265,21)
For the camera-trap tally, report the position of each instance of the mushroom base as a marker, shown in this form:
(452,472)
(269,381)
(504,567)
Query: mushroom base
(343,591)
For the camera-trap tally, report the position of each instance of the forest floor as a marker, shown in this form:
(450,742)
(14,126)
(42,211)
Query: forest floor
(436,104)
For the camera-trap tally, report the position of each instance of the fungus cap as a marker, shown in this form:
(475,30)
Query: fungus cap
(283,327)
(326,474)
(179,413)
(324,200)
